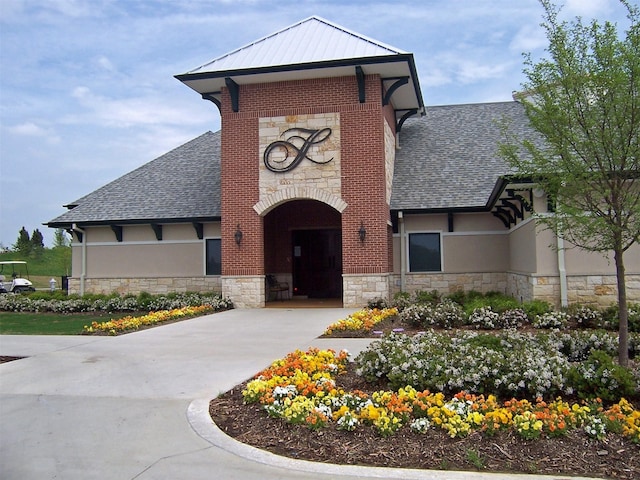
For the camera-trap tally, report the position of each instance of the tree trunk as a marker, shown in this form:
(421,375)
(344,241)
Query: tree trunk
(623,312)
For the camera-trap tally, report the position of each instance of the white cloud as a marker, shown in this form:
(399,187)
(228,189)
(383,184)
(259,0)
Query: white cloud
(527,39)
(105,63)
(130,112)
(31,129)
(587,8)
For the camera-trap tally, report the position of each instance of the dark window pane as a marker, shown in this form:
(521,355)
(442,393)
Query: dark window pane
(214,257)
(424,252)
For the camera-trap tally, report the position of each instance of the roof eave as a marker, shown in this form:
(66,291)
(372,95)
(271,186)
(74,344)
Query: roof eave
(212,82)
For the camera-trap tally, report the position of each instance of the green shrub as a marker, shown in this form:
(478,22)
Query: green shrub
(144,299)
(401,300)
(425,298)
(534,308)
(459,296)
(599,376)
(611,321)
(585,317)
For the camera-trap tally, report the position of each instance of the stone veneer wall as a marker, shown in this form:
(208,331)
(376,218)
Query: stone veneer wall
(245,291)
(359,289)
(447,283)
(155,286)
(595,290)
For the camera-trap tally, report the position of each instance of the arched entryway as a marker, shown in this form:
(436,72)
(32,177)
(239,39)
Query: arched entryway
(303,247)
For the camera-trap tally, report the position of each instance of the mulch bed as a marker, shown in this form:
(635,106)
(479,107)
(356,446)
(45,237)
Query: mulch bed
(573,454)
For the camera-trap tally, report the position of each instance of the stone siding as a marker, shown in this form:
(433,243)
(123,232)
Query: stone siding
(324,175)
(447,283)
(155,286)
(245,291)
(359,289)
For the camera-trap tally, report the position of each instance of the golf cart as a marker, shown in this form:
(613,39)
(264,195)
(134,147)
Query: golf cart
(15,269)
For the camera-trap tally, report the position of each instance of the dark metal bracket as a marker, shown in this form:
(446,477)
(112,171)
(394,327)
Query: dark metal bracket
(213,97)
(199,228)
(234,91)
(403,118)
(505,216)
(361,84)
(117,230)
(157,229)
(391,90)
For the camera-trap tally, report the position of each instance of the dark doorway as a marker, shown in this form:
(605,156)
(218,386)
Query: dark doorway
(317,263)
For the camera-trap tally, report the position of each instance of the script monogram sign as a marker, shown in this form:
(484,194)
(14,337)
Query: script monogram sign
(299,153)
(295,146)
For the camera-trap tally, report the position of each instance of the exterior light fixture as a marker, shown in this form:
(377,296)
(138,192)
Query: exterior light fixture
(362,233)
(238,235)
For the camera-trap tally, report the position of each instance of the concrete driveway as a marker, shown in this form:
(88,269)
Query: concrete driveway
(135,406)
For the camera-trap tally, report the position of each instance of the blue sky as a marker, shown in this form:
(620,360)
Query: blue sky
(87,90)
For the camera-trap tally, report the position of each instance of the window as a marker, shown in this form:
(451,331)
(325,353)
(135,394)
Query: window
(213,257)
(424,252)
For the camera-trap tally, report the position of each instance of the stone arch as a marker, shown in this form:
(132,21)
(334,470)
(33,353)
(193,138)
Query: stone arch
(268,203)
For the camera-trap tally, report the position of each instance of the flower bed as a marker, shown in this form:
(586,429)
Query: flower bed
(46,302)
(302,389)
(129,323)
(361,321)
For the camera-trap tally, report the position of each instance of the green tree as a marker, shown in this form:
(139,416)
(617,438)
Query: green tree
(37,243)
(60,238)
(23,243)
(584,101)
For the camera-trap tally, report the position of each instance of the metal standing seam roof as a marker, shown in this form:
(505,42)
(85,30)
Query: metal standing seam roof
(311,40)
(311,48)
(181,185)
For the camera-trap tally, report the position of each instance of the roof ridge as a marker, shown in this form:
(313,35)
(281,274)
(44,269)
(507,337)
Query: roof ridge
(317,18)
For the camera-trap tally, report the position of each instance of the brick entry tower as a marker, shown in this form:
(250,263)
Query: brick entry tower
(309,113)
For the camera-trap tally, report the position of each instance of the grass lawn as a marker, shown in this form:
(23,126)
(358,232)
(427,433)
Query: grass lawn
(29,323)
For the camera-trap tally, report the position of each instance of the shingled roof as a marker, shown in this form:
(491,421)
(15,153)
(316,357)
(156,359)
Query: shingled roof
(448,159)
(181,185)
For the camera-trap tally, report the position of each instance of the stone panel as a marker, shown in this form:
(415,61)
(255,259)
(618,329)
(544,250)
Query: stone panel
(155,286)
(359,289)
(245,291)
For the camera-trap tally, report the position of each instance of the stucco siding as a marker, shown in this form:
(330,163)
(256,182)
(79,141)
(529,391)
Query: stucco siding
(475,253)
(522,248)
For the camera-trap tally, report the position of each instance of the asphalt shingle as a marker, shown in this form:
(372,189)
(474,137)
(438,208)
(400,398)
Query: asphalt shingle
(448,159)
(180,185)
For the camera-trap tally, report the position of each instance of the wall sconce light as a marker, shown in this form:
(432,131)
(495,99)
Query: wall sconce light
(362,233)
(238,235)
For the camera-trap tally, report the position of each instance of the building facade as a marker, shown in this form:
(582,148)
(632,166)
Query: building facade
(330,175)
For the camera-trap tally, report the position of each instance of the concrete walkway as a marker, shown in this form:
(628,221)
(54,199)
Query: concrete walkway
(135,406)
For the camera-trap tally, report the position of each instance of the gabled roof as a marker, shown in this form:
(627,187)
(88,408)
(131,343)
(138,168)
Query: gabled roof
(181,185)
(311,48)
(448,159)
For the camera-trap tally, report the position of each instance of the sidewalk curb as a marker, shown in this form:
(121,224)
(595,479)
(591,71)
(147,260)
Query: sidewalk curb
(201,422)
